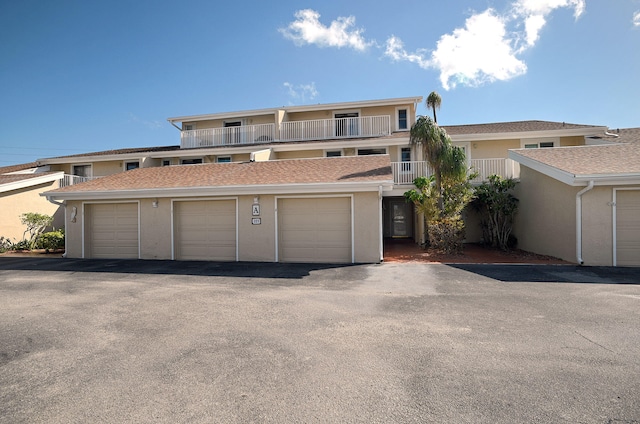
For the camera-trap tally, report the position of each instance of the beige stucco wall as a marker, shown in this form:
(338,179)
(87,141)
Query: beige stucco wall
(101,169)
(300,154)
(546,220)
(597,226)
(255,242)
(572,141)
(488,149)
(16,202)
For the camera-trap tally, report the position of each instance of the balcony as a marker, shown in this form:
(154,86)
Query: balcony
(318,129)
(325,129)
(68,180)
(405,172)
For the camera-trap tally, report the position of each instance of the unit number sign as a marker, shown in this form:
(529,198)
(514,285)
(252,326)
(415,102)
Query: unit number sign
(255,210)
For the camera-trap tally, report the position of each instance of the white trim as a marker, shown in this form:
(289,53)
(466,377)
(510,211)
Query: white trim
(614,218)
(330,196)
(334,187)
(30,182)
(84,221)
(201,199)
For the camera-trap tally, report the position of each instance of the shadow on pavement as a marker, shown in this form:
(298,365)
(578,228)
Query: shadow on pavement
(554,273)
(166,267)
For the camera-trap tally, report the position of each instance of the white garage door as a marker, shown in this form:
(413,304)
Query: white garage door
(314,230)
(113,230)
(628,227)
(205,230)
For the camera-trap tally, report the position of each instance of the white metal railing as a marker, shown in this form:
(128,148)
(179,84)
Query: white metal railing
(321,129)
(227,136)
(503,167)
(405,172)
(68,180)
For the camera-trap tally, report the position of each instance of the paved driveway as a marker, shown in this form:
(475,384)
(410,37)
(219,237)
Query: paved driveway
(136,341)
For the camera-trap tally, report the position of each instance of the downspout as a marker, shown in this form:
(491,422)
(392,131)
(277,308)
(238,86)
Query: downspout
(381,222)
(62,204)
(579,221)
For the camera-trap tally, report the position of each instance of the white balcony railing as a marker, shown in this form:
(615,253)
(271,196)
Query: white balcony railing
(322,129)
(405,172)
(68,180)
(228,136)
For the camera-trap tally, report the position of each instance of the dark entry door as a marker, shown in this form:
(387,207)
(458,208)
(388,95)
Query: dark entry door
(398,219)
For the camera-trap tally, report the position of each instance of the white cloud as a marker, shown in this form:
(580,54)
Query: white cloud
(301,92)
(307,29)
(535,12)
(395,50)
(636,19)
(478,53)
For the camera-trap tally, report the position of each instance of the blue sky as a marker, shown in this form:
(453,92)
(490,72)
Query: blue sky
(78,76)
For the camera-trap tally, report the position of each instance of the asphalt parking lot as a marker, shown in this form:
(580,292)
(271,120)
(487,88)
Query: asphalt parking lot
(172,342)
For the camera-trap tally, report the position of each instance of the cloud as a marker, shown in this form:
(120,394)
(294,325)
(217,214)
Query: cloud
(153,125)
(636,19)
(302,92)
(535,12)
(307,29)
(478,53)
(395,50)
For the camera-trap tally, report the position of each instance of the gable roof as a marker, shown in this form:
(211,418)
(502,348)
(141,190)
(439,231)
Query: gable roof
(353,173)
(621,135)
(11,177)
(520,129)
(604,164)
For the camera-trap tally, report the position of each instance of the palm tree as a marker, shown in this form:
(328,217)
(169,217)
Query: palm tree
(433,140)
(433,102)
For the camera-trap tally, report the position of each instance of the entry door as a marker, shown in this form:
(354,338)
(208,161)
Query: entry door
(232,132)
(346,124)
(399,219)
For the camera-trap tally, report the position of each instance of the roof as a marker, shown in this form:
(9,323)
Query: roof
(577,165)
(516,126)
(16,168)
(119,152)
(624,135)
(351,170)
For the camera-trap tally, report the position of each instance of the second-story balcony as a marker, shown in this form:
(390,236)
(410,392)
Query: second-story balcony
(317,129)
(405,172)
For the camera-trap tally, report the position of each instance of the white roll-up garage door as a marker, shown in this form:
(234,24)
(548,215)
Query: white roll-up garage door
(205,230)
(113,230)
(628,227)
(314,230)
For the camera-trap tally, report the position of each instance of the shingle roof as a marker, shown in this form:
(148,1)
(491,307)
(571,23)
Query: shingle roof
(516,126)
(121,151)
(16,168)
(295,171)
(623,135)
(589,160)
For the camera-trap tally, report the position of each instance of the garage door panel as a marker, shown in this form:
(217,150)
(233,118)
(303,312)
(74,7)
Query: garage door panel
(628,227)
(205,230)
(113,230)
(314,230)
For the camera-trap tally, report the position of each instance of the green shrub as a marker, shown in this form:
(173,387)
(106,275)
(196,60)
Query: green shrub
(447,235)
(5,244)
(21,245)
(51,241)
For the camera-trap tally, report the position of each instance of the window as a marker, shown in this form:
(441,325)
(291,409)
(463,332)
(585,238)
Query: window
(188,127)
(403,119)
(546,144)
(128,166)
(333,153)
(191,161)
(540,143)
(405,156)
(81,170)
(223,159)
(366,152)
(166,162)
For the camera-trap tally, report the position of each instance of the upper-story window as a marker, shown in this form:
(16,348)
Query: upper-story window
(190,161)
(166,162)
(188,127)
(403,119)
(223,159)
(332,153)
(366,152)
(540,143)
(128,166)
(81,170)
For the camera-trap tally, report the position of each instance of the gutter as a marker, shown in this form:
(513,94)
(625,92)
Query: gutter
(579,221)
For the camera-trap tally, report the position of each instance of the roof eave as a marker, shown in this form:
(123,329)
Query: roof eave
(573,132)
(334,187)
(30,182)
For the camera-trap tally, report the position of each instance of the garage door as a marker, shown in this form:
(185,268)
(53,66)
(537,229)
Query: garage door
(628,227)
(314,230)
(113,230)
(205,230)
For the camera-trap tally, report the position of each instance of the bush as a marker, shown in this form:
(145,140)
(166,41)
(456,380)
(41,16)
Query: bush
(447,235)
(21,245)
(5,244)
(51,241)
